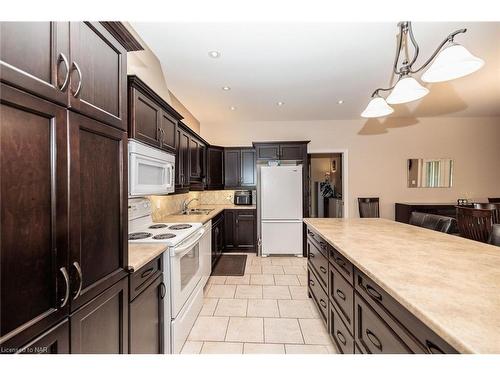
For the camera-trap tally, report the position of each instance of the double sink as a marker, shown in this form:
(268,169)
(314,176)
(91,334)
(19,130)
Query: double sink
(196,211)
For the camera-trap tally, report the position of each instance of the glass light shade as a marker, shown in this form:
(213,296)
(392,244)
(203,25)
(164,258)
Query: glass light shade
(452,62)
(377,108)
(407,90)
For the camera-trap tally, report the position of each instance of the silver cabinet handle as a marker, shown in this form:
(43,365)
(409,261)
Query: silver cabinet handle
(66,281)
(61,58)
(79,271)
(75,66)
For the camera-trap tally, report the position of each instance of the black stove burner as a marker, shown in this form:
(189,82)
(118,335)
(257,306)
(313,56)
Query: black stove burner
(164,236)
(158,226)
(180,226)
(139,235)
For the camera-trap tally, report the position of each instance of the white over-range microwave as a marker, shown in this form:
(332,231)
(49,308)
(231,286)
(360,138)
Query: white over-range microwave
(151,171)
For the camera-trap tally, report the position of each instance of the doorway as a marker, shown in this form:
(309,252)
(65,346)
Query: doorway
(326,184)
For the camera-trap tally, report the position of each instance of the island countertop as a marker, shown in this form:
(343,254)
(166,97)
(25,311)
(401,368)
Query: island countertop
(450,283)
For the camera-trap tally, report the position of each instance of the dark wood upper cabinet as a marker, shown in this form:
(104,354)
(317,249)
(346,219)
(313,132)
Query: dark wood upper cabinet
(239,167)
(268,151)
(33,214)
(98,74)
(35,57)
(195,167)
(98,210)
(168,126)
(54,341)
(182,161)
(248,168)
(291,150)
(101,326)
(215,168)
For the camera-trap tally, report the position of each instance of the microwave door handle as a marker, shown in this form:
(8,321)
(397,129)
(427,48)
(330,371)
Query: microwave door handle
(181,250)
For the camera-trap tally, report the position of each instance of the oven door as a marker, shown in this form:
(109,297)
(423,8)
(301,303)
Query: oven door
(185,270)
(149,175)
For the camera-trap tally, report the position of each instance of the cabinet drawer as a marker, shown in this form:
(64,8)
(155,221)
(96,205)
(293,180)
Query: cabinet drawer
(320,243)
(318,262)
(411,329)
(340,333)
(342,295)
(373,334)
(318,294)
(139,279)
(342,264)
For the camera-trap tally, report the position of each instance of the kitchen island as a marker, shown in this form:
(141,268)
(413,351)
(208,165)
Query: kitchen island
(392,287)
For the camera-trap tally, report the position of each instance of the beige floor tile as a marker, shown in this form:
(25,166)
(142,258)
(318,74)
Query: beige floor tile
(314,332)
(248,291)
(298,292)
(231,307)
(282,331)
(295,309)
(276,292)
(281,261)
(331,349)
(314,308)
(217,279)
(298,261)
(250,348)
(260,261)
(238,280)
(266,308)
(192,347)
(209,328)
(209,305)
(245,330)
(222,348)
(286,280)
(273,270)
(252,270)
(302,279)
(221,291)
(261,280)
(294,270)
(306,349)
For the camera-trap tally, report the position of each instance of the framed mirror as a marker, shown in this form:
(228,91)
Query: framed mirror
(430,173)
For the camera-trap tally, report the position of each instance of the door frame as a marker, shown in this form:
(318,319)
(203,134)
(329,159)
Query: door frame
(345,174)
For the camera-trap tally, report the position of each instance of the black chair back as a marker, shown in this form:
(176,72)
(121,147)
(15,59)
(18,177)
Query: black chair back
(495,235)
(494,200)
(438,223)
(368,207)
(491,206)
(475,223)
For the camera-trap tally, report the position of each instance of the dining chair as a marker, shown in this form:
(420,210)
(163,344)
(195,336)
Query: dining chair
(495,235)
(491,206)
(494,200)
(368,207)
(439,223)
(475,223)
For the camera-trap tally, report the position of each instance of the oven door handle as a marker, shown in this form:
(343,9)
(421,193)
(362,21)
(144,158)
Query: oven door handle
(181,250)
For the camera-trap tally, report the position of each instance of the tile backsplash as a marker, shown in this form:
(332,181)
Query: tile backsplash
(217,197)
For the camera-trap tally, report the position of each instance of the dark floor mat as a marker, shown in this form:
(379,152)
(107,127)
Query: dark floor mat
(230,265)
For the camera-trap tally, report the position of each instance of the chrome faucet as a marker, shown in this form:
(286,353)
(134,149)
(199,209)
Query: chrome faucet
(185,204)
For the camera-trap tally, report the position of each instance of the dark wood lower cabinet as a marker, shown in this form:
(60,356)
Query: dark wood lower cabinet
(240,229)
(54,341)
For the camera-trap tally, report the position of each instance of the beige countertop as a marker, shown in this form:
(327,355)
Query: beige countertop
(450,283)
(217,209)
(140,254)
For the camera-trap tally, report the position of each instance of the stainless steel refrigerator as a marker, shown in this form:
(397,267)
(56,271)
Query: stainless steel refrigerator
(280,209)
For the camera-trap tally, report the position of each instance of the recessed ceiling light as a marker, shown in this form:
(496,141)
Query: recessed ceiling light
(279,104)
(226,88)
(340,101)
(232,108)
(214,54)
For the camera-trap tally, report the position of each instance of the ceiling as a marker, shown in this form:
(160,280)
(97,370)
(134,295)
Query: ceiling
(311,66)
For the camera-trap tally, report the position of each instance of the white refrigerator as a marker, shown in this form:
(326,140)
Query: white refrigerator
(280,200)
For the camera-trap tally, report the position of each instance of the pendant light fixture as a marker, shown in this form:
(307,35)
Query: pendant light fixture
(449,61)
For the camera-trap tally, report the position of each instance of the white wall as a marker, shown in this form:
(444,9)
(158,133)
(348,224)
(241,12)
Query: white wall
(378,151)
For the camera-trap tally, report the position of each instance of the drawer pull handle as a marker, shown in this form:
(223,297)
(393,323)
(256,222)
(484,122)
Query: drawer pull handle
(373,293)
(340,262)
(322,303)
(163,290)
(311,283)
(322,244)
(433,348)
(341,294)
(341,337)
(323,269)
(374,339)
(311,255)
(147,272)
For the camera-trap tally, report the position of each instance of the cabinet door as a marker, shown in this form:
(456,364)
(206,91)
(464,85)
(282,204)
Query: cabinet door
(34,57)
(168,126)
(98,209)
(292,151)
(268,151)
(232,167)
(146,320)
(101,326)
(194,151)
(54,341)
(33,214)
(246,236)
(248,169)
(215,168)
(98,86)
(229,229)
(182,162)
(145,119)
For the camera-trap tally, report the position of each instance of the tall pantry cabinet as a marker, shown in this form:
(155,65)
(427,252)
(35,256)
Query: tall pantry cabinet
(63,189)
